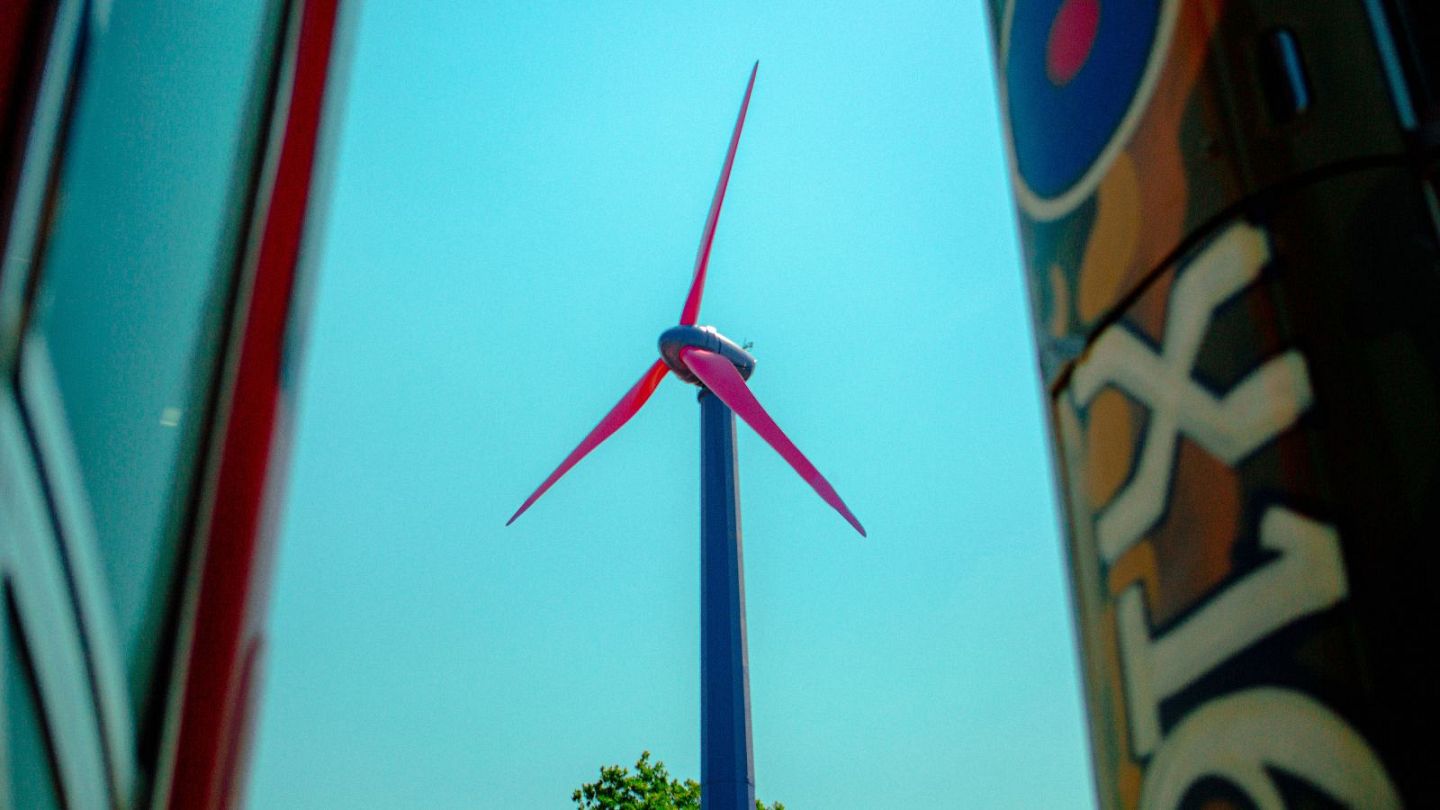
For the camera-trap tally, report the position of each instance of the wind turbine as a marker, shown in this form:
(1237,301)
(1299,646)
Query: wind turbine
(702,356)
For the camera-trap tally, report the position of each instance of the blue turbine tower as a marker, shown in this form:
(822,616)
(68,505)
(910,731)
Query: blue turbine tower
(702,356)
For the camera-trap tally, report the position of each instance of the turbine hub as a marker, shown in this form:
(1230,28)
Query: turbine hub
(675,338)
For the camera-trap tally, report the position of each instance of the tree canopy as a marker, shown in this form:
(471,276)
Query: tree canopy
(648,788)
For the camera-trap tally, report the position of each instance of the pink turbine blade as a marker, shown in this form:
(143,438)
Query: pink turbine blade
(628,406)
(725,382)
(691,312)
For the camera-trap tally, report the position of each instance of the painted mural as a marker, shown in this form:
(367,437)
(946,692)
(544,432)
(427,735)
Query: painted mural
(1231,246)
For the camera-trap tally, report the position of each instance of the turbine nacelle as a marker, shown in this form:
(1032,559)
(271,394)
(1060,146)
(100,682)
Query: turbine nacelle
(702,356)
(676,339)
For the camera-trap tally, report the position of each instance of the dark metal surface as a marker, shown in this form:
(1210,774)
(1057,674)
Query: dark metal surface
(727,763)
(675,338)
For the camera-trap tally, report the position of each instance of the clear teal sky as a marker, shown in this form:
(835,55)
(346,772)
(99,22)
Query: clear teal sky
(519,194)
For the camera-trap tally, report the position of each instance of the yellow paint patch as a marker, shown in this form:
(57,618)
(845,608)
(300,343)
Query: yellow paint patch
(1113,240)
(1137,566)
(1109,446)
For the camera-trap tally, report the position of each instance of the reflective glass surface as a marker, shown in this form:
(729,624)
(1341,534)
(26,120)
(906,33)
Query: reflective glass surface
(33,779)
(135,283)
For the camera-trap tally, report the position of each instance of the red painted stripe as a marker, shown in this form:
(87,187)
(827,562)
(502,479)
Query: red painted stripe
(232,591)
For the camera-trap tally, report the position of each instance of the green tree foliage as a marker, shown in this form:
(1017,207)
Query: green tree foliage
(649,788)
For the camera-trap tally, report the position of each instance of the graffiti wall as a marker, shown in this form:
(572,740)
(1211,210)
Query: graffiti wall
(1230,239)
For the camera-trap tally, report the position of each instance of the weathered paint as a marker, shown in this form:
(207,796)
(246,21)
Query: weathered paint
(1233,269)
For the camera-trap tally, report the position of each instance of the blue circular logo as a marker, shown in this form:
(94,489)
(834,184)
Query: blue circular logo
(1077,76)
